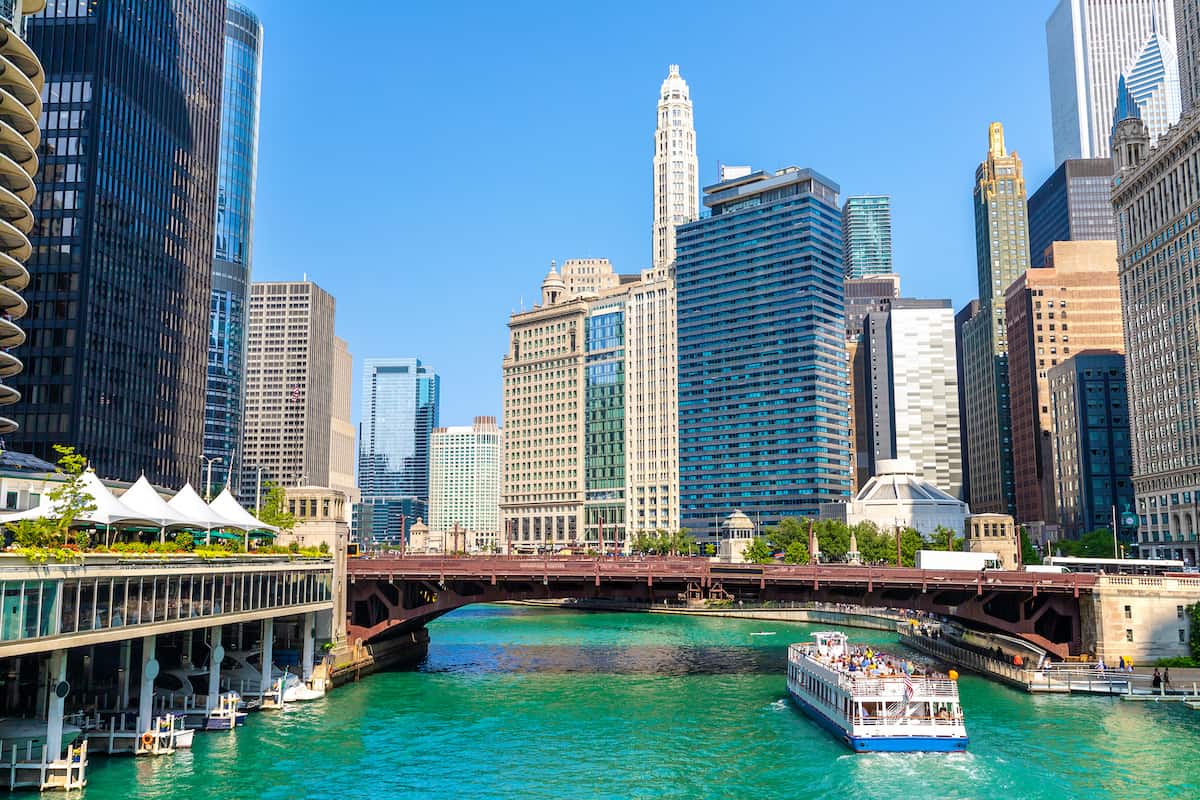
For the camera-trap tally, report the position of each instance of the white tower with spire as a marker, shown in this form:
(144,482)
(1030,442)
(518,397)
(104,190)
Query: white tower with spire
(676,172)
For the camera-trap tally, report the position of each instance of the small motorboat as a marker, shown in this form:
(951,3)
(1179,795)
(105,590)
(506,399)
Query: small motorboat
(763,633)
(301,692)
(24,733)
(226,716)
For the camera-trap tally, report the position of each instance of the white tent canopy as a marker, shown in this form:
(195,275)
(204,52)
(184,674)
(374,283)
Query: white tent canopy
(189,505)
(226,506)
(145,500)
(108,509)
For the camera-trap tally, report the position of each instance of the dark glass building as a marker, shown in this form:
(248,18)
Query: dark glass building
(400,402)
(604,427)
(122,249)
(763,396)
(1073,205)
(233,239)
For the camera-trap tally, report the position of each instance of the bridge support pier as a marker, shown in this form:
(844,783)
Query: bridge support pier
(55,705)
(216,656)
(268,646)
(146,690)
(309,644)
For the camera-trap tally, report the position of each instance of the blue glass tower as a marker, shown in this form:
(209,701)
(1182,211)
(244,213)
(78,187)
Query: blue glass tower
(400,398)
(233,238)
(763,401)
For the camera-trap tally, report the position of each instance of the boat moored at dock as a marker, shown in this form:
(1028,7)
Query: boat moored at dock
(870,702)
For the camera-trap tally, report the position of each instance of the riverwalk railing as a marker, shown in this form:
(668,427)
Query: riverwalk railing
(961,656)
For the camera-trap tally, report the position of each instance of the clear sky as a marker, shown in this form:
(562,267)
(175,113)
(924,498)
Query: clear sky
(424,162)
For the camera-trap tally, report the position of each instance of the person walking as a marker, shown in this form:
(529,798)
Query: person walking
(1167,678)
(1156,681)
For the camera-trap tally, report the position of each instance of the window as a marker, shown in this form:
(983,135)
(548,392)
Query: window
(1128,612)
(1182,635)
(1128,635)
(1179,612)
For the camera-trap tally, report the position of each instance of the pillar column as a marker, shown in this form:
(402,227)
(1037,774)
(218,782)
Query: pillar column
(186,650)
(309,644)
(57,674)
(146,691)
(123,688)
(268,646)
(216,656)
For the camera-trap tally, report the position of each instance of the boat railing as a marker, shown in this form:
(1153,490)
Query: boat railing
(922,720)
(894,687)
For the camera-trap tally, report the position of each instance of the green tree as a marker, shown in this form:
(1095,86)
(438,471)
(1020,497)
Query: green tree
(1097,544)
(944,539)
(796,553)
(1029,555)
(274,508)
(758,552)
(70,500)
(682,542)
(788,530)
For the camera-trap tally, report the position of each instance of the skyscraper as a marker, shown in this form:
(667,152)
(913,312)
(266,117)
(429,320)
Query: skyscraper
(289,386)
(867,236)
(676,172)
(1072,205)
(400,402)
(1090,44)
(341,447)
(1002,254)
(1187,43)
(1070,305)
(20,137)
(233,237)
(1149,88)
(912,390)
(122,252)
(464,480)
(762,351)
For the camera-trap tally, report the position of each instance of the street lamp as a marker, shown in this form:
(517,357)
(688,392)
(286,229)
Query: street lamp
(208,483)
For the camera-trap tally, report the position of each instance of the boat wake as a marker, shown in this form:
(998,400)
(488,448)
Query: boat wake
(778,705)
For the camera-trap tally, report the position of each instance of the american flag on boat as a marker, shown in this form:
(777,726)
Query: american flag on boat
(909,689)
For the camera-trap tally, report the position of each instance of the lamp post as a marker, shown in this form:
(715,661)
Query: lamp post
(208,482)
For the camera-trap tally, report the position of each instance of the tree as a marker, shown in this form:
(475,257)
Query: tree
(1028,554)
(788,530)
(796,553)
(70,500)
(682,542)
(274,508)
(944,539)
(1097,544)
(758,552)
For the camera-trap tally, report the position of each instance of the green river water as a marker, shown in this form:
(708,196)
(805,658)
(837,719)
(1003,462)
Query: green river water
(529,703)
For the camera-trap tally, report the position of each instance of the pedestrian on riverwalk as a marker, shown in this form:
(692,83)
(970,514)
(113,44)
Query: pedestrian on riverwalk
(1156,681)
(1121,664)
(1167,678)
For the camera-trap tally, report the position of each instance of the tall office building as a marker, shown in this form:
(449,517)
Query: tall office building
(122,251)
(1071,305)
(464,480)
(863,295)
(1089,412)
(583,276)
(20,136)
(1149,88)
(964,315)
(676,171)
(1187,43)
(233,238)
(867,236)
(341,445)
(1072,205)
(1155,195)
(1090,44)
(1002,255)
(912,390)
(400,402)
(289,386)
(762,351)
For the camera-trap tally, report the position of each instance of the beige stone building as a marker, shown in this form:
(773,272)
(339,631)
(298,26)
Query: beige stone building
(321,515)
(289,386)
(993,533)
(589,276)
(1071,305)
(341,446)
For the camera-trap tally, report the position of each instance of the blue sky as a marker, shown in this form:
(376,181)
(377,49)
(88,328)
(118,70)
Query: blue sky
(425,162)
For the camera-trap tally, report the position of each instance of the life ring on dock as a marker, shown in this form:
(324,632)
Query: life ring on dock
(148,740)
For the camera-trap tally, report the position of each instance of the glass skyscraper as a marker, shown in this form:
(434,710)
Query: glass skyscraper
(763,400)
(867,236)
(233,239)
(1071,206)
(400,398)
(604,420)
(122,249)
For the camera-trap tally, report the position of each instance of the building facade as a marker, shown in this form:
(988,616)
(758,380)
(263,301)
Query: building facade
(233,238)
(1149,89)
(1157,200)
(583,276)
(386,522)
(1090,44)
(20,137)
(1072,205)
(1187,43)
(964,315)
(898,496)
(1002,254)
(341,445)
(1093,464)
(122,250)
(763,405)
(464,480)
(867,236)
(911,385)
(289,386)
(400,404)
(1072,304)
(676,170)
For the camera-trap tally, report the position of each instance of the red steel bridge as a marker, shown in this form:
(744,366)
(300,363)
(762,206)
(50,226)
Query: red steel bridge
(390,596)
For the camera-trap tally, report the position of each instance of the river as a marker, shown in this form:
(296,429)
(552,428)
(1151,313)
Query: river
(528,703)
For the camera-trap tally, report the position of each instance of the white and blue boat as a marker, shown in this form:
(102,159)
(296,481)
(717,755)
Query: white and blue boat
(870,703)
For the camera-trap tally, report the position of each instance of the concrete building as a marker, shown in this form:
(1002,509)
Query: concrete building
(123,245)
(321,521)
(1187,43)
(233,240)
(1093,465)
(863,295)
(465,464)
(676,171)
(1155,195)
(964,315)
(898,496)
(763,416)
(341,446)
(736,533)
(583,276)
(1002,255)
(867,236)
(1090,44)
(1071,305)
(289,386)
(911,390)
(1072,205)
(993,533)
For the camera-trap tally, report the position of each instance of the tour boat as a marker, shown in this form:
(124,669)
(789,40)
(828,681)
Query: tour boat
(870,702)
